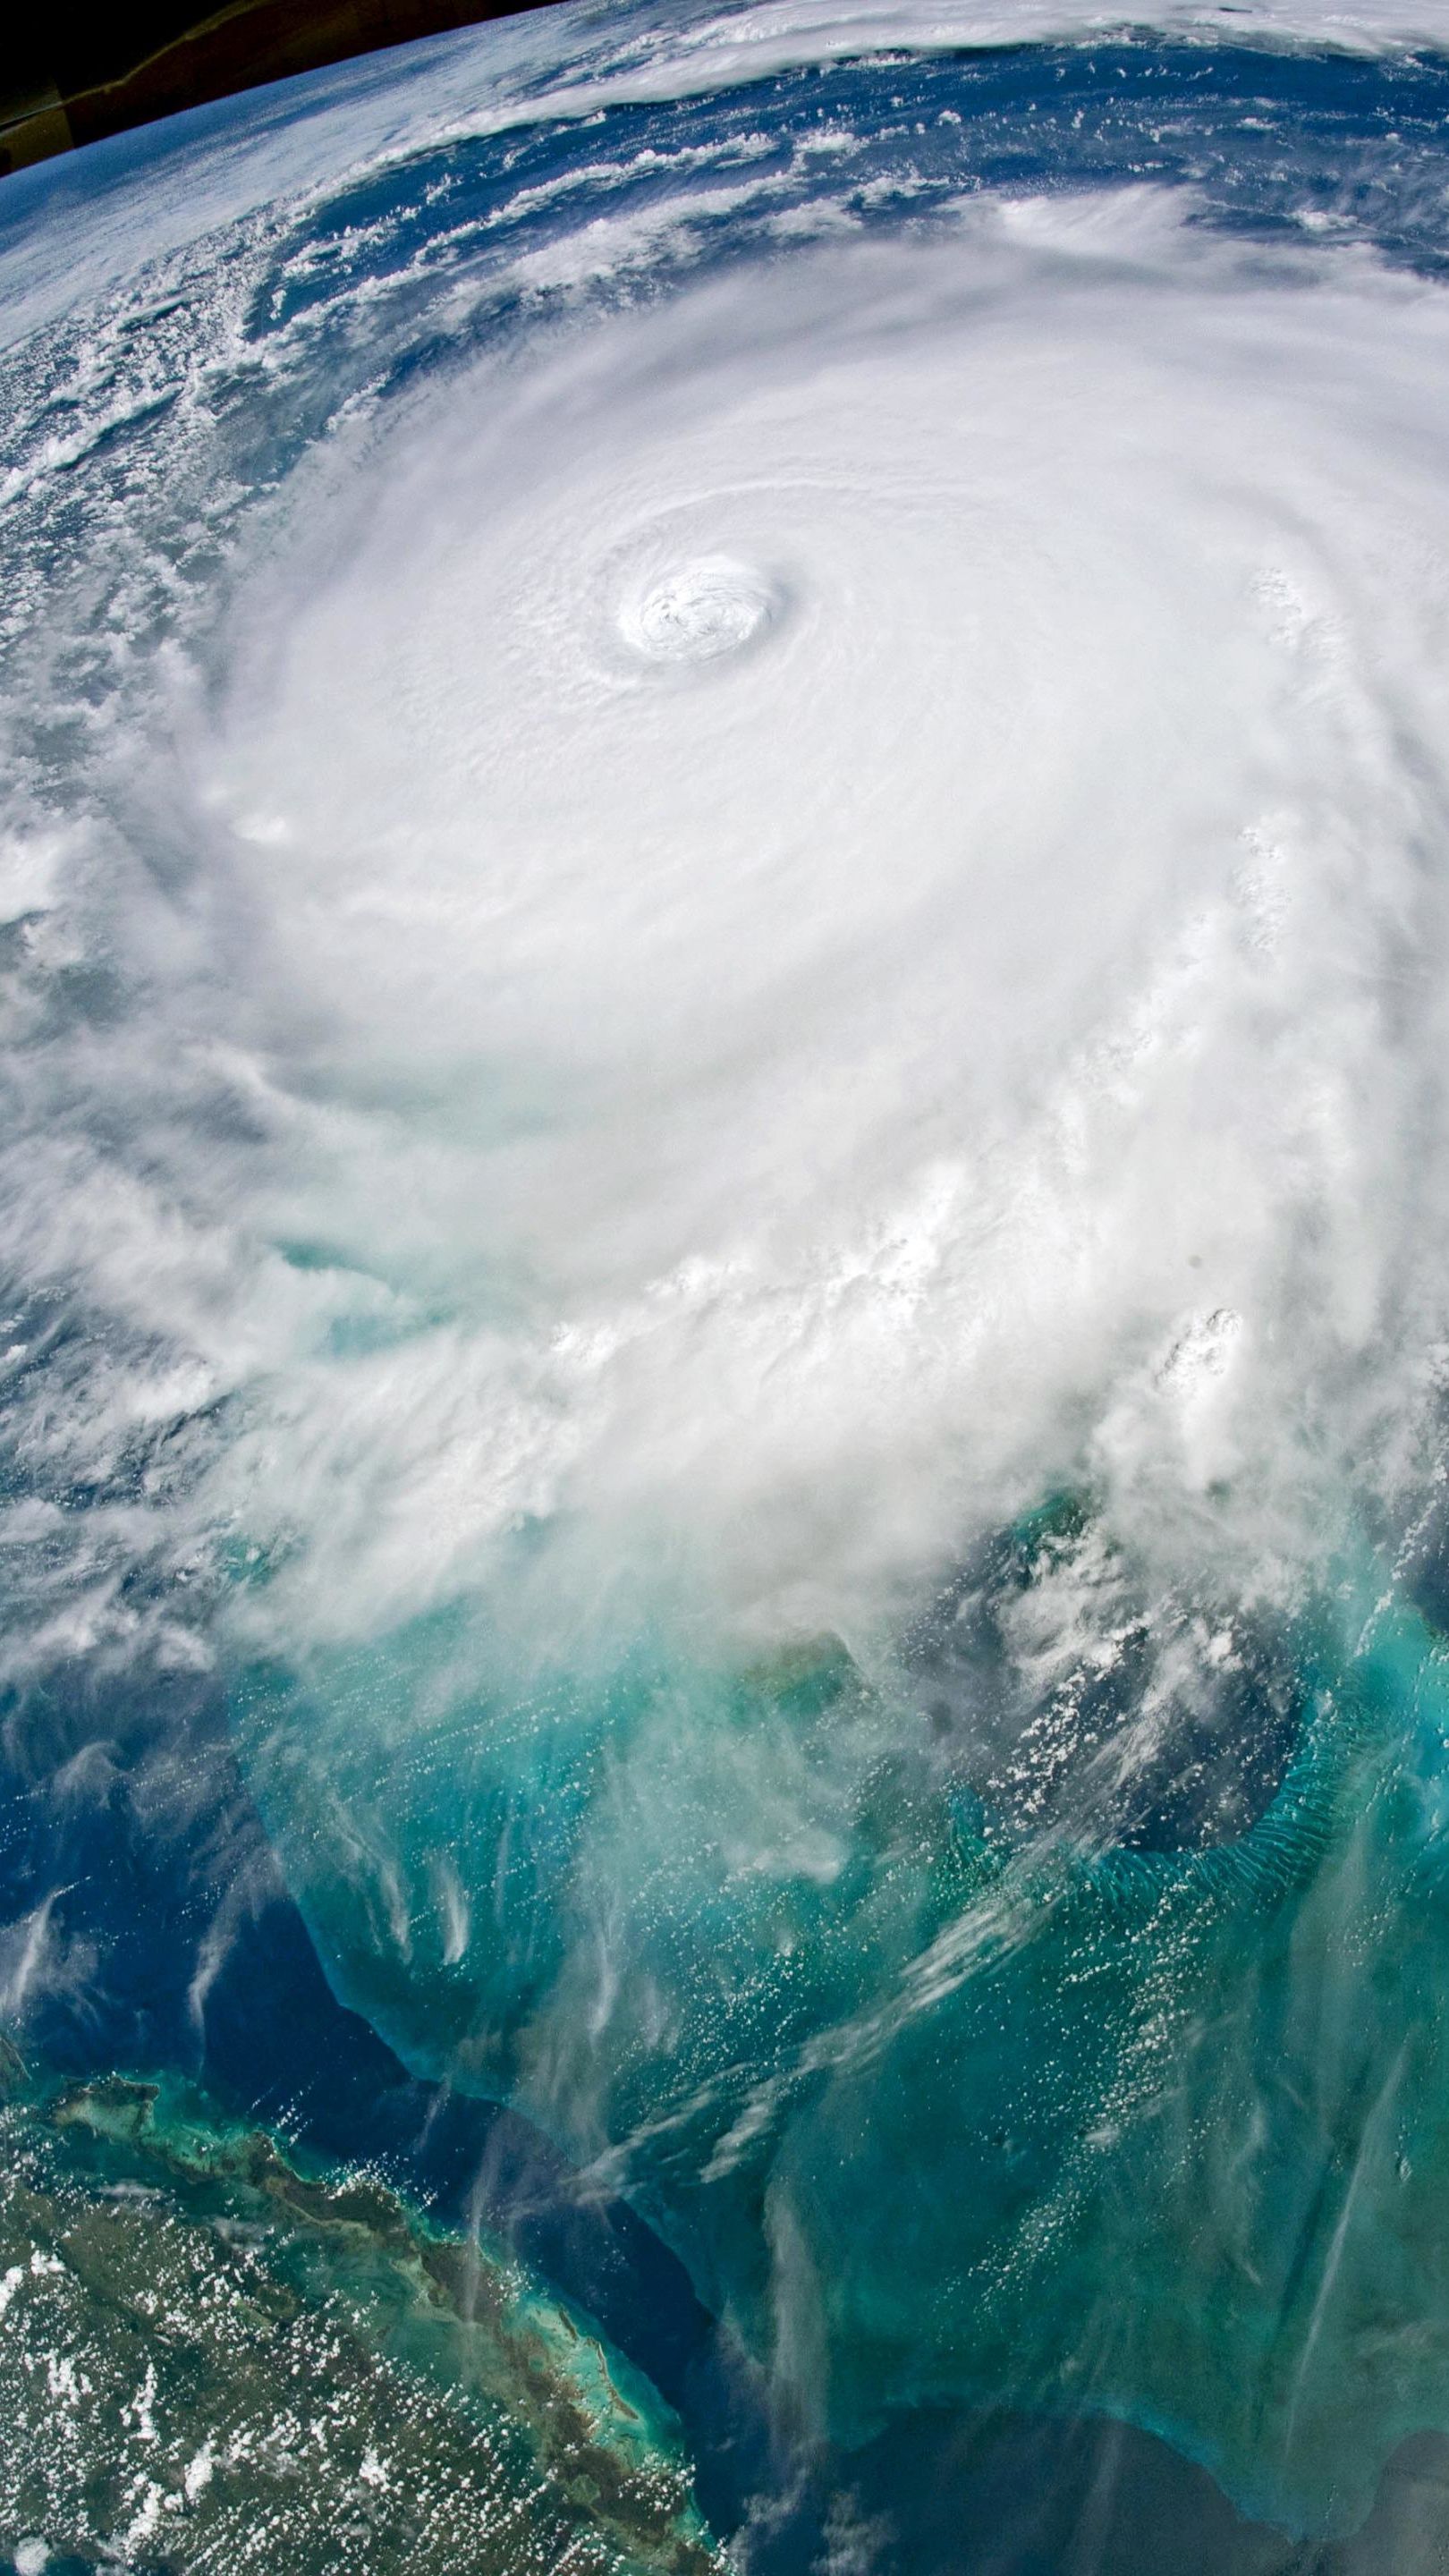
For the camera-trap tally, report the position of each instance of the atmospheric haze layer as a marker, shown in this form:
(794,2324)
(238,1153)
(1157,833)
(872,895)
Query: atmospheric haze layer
(725,866)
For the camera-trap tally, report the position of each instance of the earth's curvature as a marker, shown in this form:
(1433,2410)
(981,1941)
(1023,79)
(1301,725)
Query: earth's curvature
(725,868)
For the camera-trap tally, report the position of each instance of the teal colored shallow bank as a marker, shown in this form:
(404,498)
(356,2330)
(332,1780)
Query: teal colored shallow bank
(935,2110)
(725,889)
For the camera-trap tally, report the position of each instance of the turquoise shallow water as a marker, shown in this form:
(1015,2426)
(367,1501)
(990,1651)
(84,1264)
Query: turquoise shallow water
(917,2106)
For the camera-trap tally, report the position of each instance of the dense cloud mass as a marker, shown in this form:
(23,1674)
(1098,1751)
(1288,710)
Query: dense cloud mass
(776,922)
(726,868)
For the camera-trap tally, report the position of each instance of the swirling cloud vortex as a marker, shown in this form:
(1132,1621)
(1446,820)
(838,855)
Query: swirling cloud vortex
(726,865)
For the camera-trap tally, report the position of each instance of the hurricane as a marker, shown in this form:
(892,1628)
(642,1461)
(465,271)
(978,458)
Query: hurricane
(725,870)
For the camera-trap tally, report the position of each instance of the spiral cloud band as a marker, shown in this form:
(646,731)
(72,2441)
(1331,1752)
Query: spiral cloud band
(727,896)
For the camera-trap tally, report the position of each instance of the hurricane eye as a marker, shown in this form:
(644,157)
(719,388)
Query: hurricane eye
(700,612)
